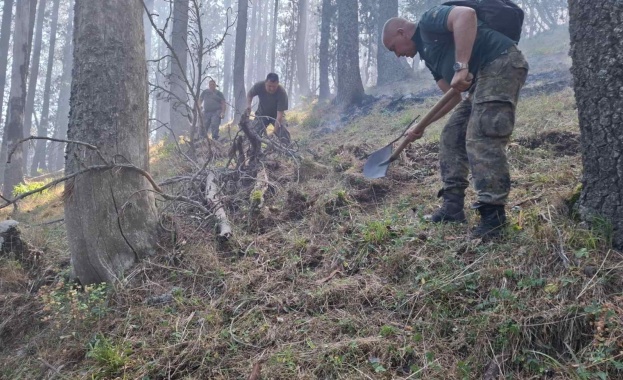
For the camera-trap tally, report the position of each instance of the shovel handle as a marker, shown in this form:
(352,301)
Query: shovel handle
(426,120)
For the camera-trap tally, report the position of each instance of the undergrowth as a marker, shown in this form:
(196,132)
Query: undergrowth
(340,277)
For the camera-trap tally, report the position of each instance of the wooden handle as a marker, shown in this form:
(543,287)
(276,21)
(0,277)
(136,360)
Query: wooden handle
(426,120)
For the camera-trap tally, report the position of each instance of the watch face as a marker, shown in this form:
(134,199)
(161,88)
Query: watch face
(457,66)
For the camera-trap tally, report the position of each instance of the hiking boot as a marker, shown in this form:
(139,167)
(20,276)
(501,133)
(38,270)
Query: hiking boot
(492,221)
(451,210)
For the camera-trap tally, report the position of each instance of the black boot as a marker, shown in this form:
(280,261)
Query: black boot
(451,210)
(492,221)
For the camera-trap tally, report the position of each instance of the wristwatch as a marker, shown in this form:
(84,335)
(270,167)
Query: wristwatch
(460,66)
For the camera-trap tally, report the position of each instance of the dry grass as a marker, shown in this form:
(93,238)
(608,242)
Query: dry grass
(341,278)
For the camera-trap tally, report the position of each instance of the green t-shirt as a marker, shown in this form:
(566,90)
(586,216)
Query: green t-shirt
(270,104)
(212,100)
(435,44)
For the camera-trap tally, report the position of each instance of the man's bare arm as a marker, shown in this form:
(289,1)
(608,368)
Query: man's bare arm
(444,86)
(463,23)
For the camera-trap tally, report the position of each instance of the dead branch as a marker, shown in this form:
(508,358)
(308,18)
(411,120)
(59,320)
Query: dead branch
(92,147)
(224,228)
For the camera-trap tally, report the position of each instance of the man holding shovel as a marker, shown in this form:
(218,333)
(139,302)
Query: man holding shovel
(464,54)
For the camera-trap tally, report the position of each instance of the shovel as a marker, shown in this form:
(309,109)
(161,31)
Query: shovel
(378,162)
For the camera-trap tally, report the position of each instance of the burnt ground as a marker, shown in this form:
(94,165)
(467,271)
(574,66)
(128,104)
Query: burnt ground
(561,143)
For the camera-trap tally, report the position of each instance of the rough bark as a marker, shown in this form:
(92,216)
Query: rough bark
(325,31)
(38,160)
(14,130)
(5,35)
(390,68)
(239,58)
(598,79)
(301,56)
(349,86)
(111,221)
(179,104)
(57,150)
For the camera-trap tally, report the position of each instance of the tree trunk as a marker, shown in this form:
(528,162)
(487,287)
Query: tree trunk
(301,56)
(227,69)
(57,151)
(325,31)
(179,89)
(33,78)
(241,39)
(598,79)
(273,45)
(163,107)
(5,35)
(14,130)
(252,37)
(111,222)
(349,87)
(390,68)
(38,160)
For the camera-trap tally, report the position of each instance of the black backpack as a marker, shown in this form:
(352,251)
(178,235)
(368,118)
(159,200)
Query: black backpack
(503,16)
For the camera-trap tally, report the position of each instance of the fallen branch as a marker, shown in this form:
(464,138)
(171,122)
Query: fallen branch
(224,228)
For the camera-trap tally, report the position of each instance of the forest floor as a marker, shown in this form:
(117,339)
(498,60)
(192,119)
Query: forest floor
(340,278)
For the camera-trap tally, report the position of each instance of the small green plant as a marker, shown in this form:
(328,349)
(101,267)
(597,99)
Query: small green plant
(256,196)
(375,232)
(387,330)
(110,357)
(24,188)
(65,304)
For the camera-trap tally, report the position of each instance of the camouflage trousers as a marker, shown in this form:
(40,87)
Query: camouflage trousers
(211,123)
(475,137)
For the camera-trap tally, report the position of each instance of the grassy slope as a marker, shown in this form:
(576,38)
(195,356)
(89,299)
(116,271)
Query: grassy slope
(341,278)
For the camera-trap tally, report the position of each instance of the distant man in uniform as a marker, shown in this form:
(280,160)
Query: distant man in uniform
(273,102)
(213,105)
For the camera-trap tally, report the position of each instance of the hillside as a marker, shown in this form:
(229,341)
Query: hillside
(339,277)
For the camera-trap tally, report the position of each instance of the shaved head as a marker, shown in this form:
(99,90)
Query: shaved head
(390,29)
(397,33)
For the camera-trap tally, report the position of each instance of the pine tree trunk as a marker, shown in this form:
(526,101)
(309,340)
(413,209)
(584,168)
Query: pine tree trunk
(349,86)
(14,130)
(38,160)
(239,58)
(227,64)
(179,90)
(390,68)
(325,31)
(598,79)
(273,44)
(163,107)
(5,35)
(301,57)
(57,150)
(111,222)
(33,78)
(251,38)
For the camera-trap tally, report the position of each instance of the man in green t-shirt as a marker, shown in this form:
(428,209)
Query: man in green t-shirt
(463,53)
(273,102)
(213,105)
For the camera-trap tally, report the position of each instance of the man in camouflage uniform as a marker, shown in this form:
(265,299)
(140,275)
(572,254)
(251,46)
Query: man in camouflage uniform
(462,53)
(213,105)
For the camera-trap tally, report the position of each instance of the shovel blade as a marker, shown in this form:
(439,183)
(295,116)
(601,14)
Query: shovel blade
(377,163)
